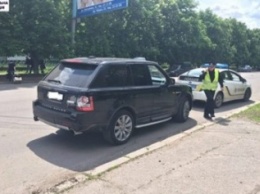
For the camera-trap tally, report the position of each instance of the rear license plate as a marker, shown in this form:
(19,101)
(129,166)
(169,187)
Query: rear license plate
(55,96)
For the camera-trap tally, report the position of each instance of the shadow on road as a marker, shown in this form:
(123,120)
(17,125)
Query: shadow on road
(222,121)
(89,150)
(199,105)
(12,86)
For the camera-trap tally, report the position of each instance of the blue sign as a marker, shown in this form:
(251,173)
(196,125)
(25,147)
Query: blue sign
(92,7)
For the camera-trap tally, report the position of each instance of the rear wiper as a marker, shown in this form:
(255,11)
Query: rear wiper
(53,80)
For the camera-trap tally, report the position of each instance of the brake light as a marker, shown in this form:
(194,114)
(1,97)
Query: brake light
(85,104)
(73,60)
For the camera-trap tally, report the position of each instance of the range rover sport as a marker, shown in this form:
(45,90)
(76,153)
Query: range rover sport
(112,94)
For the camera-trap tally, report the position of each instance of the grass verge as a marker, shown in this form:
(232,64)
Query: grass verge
(253,114)
(21,69)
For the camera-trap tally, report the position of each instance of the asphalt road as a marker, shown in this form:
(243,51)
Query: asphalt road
(34,155)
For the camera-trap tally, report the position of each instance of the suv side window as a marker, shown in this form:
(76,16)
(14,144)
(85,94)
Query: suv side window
(156,75)
(141,75)
(113,76)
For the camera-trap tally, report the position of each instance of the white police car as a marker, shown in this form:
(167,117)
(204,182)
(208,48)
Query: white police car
(235,86)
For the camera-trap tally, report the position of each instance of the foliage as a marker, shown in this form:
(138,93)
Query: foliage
(167,31)
(35,27)
(165,66)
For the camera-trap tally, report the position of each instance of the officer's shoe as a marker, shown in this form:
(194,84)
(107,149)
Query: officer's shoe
(207,117)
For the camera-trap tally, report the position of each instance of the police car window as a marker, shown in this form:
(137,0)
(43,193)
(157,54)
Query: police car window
(226,76)
(157,76)
(235,77)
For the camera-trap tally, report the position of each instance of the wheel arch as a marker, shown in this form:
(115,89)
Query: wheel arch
(179,116)
(189,97)
(220,92)
(126,108)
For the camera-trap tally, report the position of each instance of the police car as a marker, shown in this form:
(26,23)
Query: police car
(235,86)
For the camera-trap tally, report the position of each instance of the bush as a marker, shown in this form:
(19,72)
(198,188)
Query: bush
(165,66)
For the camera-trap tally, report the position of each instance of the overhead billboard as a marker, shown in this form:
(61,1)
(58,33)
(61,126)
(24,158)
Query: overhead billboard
(4,5)
(94,7)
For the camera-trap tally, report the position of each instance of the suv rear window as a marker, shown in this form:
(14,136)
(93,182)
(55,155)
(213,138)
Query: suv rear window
(71,74)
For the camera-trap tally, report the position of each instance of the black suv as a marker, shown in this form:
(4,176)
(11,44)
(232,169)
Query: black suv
(112,94)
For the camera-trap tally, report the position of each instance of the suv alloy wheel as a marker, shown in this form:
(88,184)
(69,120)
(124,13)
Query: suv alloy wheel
(120,128)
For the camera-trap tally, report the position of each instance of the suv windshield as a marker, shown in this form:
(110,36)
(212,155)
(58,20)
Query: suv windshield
(71,74)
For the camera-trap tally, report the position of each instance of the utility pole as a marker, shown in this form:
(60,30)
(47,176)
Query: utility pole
(73,31)
(73,22)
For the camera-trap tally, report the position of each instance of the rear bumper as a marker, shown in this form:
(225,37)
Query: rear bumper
(75,121)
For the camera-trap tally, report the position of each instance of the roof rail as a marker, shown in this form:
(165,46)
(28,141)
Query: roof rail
(140,58)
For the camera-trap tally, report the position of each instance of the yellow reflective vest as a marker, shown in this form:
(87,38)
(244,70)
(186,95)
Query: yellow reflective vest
(207,84)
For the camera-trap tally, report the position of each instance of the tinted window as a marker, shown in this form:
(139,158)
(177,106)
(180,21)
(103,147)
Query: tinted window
(141,75)
(69,74)
(112,76)
(156,75)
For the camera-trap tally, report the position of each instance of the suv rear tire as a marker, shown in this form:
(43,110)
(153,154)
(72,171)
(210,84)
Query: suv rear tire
(120,128)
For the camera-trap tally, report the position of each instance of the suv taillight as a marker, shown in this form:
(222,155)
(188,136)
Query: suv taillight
(85,104)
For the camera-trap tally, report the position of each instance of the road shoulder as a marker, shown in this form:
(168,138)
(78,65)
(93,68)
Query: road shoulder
(136,164)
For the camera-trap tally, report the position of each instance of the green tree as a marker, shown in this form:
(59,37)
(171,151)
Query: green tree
(36,27)
(167,31)
(254,47)
(124,33)
(184,35)
(239,42)
(219,32)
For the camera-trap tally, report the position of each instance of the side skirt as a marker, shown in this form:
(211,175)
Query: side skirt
(153,123)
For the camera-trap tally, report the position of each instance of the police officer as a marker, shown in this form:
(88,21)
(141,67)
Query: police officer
(11,71)
(210,80)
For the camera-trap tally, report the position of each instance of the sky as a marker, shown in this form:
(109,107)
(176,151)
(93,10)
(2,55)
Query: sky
(246,11)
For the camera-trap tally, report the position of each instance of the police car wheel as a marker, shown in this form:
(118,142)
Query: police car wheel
(247,94)
(218,100)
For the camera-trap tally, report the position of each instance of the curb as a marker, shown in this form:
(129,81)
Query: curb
(98,171)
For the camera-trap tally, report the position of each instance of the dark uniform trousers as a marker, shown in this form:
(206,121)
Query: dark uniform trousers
(209,107)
